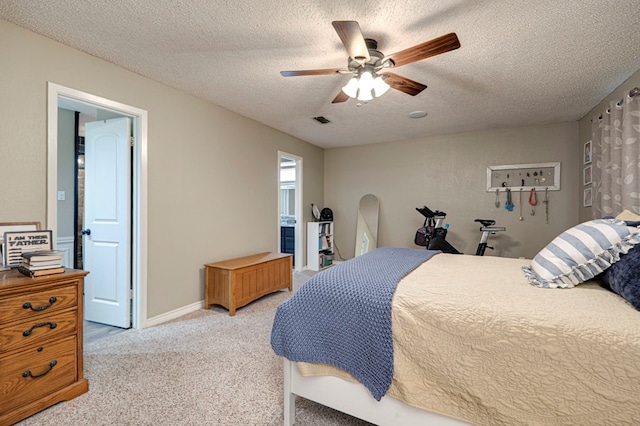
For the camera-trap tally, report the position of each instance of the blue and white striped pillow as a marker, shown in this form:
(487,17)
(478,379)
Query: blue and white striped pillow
(581,253)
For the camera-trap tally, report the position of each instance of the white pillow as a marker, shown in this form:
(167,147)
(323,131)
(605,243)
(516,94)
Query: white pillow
(580,253)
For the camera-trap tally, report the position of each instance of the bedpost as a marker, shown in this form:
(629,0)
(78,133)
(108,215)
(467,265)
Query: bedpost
(289,397)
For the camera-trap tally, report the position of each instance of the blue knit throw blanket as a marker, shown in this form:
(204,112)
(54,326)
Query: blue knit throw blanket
(342,316)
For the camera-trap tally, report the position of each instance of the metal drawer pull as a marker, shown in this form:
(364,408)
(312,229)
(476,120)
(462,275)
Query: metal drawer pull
(35,376)
(27,305)
(51,325)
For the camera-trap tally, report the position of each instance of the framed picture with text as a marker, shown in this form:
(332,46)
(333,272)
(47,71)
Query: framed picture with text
(17,242)
(13,227)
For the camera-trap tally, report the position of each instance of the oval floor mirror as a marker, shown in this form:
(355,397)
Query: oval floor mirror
(367,224)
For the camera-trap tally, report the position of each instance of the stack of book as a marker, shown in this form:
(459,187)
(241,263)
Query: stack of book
(41,262)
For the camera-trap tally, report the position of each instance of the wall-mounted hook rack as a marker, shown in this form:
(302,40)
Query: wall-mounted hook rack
(540,176)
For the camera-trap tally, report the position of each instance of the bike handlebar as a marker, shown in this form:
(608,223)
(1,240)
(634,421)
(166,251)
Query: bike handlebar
(425,211)
(428,213)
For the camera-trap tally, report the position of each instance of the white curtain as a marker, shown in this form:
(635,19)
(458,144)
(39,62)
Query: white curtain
(616,157)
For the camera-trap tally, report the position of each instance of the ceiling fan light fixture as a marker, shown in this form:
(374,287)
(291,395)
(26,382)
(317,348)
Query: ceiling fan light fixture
(380,86)
(366,81)
(365,95)
(351,88)
(365,85)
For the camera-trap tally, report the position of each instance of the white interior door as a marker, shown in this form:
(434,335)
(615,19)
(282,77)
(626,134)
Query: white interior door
(107,222)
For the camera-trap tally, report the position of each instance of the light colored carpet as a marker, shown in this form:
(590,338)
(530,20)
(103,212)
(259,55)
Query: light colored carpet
(205,368)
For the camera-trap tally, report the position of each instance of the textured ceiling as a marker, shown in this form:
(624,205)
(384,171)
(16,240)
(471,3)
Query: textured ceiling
(521,62)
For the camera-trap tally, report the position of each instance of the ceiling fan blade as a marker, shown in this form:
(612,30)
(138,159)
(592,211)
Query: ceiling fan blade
(442,44)
(404,84)
(353,40)
(313,72)
(342,97)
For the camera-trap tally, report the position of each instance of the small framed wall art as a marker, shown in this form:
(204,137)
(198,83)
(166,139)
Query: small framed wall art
(586,175)
(587,199)
(587,152)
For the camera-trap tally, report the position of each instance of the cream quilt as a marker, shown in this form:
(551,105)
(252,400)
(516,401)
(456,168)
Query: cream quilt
(474,341)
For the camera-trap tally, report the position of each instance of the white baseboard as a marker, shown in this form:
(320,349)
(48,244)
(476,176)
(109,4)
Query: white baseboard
(176,313)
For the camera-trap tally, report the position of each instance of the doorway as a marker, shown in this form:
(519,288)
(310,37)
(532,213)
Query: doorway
(290,207)
(138,211)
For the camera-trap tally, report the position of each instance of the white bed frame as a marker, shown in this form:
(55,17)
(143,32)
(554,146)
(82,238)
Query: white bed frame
(353,399)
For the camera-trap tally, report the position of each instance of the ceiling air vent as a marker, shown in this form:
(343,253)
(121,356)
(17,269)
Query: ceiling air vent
(321,120)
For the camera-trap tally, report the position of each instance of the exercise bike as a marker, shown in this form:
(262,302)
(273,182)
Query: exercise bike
(434,232)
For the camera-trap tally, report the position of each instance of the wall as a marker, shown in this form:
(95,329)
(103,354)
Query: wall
(212,174)
(449,173)
(585,129)
(66,169)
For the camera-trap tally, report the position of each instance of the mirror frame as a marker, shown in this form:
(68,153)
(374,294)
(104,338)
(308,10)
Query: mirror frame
(367,225)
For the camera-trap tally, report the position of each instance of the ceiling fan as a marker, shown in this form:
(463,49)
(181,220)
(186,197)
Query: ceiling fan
(368,65)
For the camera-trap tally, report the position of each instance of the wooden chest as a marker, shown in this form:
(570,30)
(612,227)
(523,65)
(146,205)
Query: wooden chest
(41,361)
(236,282)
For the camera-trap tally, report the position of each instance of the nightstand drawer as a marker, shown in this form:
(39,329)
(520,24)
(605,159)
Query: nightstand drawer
(45,326)
(28,304)
(31,374)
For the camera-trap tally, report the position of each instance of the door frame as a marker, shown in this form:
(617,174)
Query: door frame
(139,183)
(299,235)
